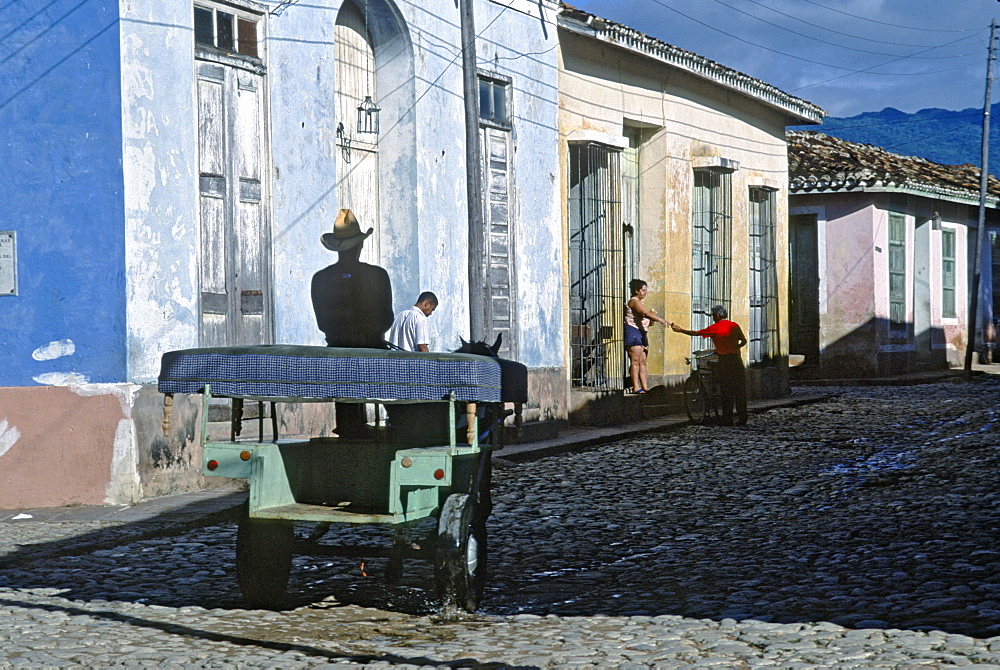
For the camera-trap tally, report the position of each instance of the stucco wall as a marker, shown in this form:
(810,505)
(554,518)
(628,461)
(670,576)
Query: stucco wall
(855,338)
(67,445)
(159,153)
(300,59)
(105,177)
(60,124)
(520,42)
(687,123)
(422,158)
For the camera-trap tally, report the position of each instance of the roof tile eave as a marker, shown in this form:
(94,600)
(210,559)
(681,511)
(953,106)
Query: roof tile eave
(625,37)
(811,152)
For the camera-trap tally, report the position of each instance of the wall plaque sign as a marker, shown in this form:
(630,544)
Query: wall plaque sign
(8,262)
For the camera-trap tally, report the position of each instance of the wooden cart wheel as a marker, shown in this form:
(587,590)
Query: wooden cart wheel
(263,560)
(695,399)
(460,555)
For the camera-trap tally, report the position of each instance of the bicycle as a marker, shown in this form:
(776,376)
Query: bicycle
(702,398)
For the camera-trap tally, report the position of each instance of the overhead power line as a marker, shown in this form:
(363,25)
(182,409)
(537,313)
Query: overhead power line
(816,39)
(848,70)
(837,32)
(868,70)
(894,25)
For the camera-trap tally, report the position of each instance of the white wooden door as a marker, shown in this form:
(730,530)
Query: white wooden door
(234,253)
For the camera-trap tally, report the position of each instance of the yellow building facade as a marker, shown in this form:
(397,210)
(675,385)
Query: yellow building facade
(675,171)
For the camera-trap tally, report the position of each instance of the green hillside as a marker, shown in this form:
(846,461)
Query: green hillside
(939,135)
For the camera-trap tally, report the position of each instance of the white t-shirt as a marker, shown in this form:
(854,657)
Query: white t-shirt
(409,329)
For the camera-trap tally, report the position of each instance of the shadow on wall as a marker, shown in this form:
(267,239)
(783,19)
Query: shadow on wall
(876,348)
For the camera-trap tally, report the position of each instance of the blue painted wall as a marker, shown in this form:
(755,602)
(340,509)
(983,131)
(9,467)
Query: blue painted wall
(60,127)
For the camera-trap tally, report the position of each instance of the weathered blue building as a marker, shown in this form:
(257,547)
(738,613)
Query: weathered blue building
(170,167)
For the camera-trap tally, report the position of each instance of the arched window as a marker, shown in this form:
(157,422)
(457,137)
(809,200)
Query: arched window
(357,164)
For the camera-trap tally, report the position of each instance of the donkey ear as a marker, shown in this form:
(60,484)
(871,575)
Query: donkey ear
(496,345)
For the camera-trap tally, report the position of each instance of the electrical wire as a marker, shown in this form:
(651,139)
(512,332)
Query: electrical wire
(893,25)
(837,32)
(826,81)
(815,62)
(839,46)
(448,65)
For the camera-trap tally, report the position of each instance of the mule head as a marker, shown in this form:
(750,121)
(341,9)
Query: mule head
(481,348)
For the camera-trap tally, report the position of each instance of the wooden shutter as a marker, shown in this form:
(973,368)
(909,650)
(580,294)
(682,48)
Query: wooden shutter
(234,249)
(496,149)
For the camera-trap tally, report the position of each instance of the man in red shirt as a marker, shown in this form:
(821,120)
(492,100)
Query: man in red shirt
(728,338)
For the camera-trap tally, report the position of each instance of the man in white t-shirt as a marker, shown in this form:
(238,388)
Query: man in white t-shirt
(409,330)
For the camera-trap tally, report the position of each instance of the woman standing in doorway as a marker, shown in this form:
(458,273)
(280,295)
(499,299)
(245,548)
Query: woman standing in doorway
(637,322)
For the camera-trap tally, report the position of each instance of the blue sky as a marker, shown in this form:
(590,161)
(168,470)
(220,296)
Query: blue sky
(847,56)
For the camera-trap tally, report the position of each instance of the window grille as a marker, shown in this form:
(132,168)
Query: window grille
(897,271)
(597,282)
(711,244)
(948,273)
(763,327)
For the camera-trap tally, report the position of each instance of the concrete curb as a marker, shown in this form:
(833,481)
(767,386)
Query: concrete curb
(575,439)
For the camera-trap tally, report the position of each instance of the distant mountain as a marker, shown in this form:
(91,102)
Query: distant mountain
(939,135)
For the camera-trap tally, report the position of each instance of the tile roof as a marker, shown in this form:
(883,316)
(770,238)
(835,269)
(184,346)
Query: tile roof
(588,24)
(819,163)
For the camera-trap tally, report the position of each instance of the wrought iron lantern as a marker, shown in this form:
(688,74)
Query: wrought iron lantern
(368,113)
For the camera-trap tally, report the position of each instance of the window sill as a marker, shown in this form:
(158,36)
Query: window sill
(251,63)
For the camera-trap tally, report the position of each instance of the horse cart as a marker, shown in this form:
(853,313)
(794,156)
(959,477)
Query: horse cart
(446,413)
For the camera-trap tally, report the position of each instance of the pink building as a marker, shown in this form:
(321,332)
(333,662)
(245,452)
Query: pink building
(881,250)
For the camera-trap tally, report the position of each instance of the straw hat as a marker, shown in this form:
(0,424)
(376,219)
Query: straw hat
(346,233)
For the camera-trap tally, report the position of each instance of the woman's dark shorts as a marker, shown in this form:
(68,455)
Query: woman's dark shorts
(635,337)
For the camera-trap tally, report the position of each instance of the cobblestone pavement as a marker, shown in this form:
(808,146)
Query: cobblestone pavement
(861,532)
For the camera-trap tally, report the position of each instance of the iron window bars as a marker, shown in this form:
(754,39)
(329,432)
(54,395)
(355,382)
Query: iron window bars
(763,327)
(711,245)
(596,264)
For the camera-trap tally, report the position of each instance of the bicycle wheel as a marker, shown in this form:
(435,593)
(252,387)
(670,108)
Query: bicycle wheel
(713,401)
(695,399)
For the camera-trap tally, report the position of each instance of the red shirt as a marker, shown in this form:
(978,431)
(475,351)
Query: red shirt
(726,336)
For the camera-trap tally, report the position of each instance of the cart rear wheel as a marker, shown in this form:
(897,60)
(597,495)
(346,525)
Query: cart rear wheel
(695,399)
(263,560)
(460,555)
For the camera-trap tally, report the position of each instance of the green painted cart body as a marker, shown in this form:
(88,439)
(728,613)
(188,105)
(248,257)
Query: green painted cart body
(396,476)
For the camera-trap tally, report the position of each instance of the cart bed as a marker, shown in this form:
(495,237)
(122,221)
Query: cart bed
(303,373)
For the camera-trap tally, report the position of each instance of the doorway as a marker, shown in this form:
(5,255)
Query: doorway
(803,294)
(235,305)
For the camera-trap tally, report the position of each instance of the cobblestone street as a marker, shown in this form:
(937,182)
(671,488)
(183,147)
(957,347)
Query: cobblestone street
(858,532)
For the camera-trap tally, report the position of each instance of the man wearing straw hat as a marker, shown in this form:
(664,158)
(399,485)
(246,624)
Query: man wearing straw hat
(353,305)
(352,300)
